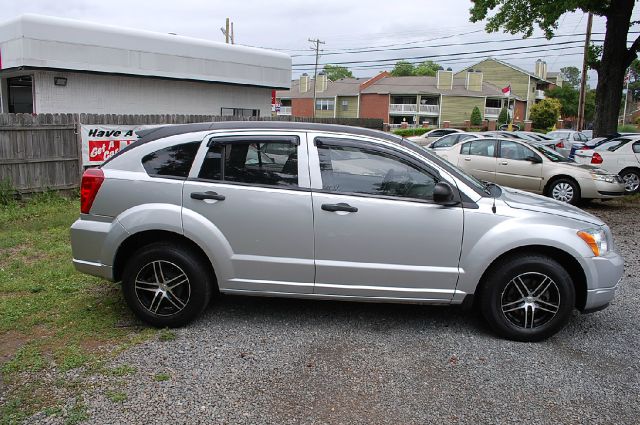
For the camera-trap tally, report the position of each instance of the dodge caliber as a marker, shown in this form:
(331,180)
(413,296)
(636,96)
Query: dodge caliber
(330,212)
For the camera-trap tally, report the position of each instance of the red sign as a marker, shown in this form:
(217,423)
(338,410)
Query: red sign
(273,97)
(101,150)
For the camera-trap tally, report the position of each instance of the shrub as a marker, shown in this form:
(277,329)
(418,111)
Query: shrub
(503,117)
(476,117)
(627,128)
(7,192)
(545,114)
(408,132)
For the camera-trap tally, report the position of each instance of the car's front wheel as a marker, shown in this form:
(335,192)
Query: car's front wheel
(166,285)
(527,298)
(564,190)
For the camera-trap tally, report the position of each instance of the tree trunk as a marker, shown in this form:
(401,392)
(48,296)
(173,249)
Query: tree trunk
(614,63)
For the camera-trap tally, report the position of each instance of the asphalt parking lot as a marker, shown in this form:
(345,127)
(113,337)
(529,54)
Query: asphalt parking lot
(260,360)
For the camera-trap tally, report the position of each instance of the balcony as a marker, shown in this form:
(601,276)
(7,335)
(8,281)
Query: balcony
(285,110)
(539,94)
(429,109)
(403,108)
(491,112)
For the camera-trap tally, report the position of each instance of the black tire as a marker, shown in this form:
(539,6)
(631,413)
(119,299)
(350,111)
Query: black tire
(628,175)
(507,316)
(562,185)
(151,284)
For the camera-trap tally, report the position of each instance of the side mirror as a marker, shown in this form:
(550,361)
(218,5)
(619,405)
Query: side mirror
(534,159)
(443,194)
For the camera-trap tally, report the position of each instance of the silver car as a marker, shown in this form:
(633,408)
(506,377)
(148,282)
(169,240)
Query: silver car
(331,212)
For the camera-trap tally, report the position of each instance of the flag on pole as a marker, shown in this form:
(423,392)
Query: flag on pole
(507,90)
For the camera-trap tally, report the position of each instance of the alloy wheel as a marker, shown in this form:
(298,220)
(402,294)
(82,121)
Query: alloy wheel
(162,288)
(562,192)
(530,300)
(631,182)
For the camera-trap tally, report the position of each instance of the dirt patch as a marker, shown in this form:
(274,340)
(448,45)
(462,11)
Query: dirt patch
(10,343)
(22,252)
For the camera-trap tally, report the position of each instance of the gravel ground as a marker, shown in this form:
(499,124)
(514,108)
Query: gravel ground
(260,360)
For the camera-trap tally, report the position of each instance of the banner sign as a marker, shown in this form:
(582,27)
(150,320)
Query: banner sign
(101,141)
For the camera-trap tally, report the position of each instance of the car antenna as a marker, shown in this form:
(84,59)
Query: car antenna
(493,207)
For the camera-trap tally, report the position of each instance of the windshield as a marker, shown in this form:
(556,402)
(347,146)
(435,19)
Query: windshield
(615,144)
(551,155)
(471,181)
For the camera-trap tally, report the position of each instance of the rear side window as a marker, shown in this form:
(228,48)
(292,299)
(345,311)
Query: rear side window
(260,163)
(173,161)
(479,147)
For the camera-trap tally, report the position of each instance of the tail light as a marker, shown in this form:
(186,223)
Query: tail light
(560,144)
(586,148)
(91,181)
(596,158)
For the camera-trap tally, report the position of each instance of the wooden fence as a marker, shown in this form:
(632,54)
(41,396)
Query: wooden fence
(44,152)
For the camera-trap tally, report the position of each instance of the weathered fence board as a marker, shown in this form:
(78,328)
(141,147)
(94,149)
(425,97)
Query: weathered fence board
(40,152)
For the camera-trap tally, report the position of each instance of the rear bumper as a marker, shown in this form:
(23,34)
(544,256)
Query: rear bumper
(94,269)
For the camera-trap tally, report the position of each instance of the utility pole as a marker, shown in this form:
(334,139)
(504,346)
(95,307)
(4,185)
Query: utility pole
(583,80)
(317,43)
(626,100)
(227,33)
(233,40)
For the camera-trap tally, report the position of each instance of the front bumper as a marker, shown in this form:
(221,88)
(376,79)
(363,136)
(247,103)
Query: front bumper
(606,275)
(597,189)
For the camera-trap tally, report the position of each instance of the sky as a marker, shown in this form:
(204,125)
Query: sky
(435,29)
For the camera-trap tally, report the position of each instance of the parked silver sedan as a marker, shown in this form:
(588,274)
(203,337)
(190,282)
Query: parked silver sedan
(533,167)
(331,212)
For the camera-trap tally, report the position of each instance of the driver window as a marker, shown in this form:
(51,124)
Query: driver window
(515,151)
(353,169)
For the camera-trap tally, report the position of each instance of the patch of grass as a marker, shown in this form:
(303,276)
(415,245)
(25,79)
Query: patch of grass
(52,411)
(122,370)
(27,359)
(71,357)
(116,396)
(75,415)
(160,377)
(67,317)
(627,128)
(7,193)
(12,413)
(166,335)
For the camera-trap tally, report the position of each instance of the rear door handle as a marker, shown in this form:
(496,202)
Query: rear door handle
(467,158)
(504,163)
(339,207)
(207,195)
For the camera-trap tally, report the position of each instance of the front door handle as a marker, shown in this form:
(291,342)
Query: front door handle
(467,158)
(207,195)
(504,163)
(339,207)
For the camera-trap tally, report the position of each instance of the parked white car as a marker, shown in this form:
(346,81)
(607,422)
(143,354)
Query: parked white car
(449,140)
(620,156)
(566,139)
(432,135)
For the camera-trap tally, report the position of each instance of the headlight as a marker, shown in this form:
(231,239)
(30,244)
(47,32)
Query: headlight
(596,239)
(603,177)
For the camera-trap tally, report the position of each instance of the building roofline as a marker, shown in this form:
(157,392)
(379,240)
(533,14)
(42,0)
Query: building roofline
(516,68)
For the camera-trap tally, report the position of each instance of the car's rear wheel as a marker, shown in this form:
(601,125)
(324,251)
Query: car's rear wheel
(564,190)
(631,179)
(527,298)
(166,285)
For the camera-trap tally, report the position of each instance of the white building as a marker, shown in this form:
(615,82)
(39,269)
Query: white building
(54,65)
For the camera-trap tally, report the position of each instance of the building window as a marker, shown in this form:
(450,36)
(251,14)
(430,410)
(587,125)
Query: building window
(345,105)
(325,104)
(20,99)
(494,103)
(239,112)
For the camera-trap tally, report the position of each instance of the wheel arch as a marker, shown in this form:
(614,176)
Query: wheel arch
(565,259)
(555,178)
(138,240)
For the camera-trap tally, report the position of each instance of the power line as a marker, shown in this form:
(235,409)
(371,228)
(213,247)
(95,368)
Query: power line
(561,43)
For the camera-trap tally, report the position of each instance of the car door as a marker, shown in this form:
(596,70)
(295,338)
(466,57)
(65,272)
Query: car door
(254,189)
(519,167)
(377,232)
(478,158)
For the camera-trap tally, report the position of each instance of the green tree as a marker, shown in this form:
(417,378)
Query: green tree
(427,68)
(634,80)
(503,117)
(589,106)
(403,69)
(616,56)
(571,75)
(336,72)
(568,97)
(476,117)
(545,114)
